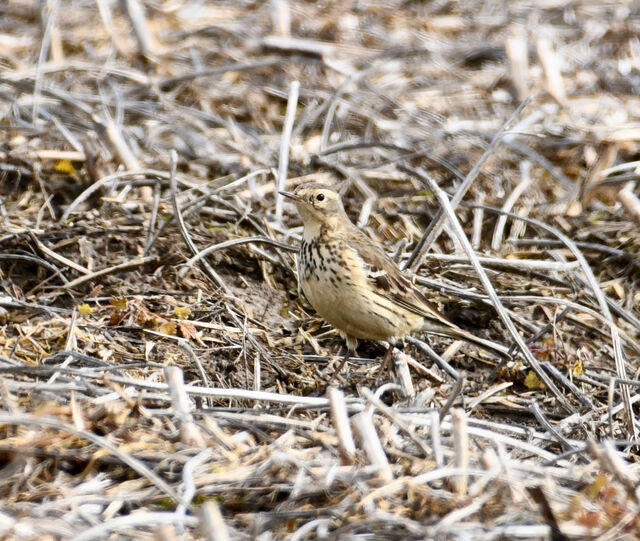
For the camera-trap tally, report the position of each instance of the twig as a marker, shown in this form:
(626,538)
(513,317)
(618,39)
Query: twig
(189,431)
(541,499)
(551,68)
(60,259)
(509,264)
(489,392)
(435,227)
(553,371)
(148,518)
(436,442)
(455,393)
(116,178)
(366,431)
(168,83)
(236,242)
(285,141)
(212,525)
(340,421)
(188,478)
(451,521)
(461,449)
(426,348)
(535,409)
(152,218)
(521,187)
(110,270)
(396,419)
(134,11)
(37,261)
(183,229)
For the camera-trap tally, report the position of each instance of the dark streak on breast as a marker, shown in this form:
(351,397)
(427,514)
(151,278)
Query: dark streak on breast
(382,282)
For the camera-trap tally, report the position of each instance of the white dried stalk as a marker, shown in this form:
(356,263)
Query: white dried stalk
(452,350)
(489,459)
(59,258)
(340,420)
(285,141)
(165,532)
(517,50)
(281,18)
(401,362)
(521,187)
(554,83)
(461,449)
(319,524)
(109,270)
(365,211)
(135,12)
(370,442)
(515,264)
(117,142)
(76,413)
(111,179)
(257,373)
(425,371)
(189,432)
(618,467)
(451,521)
(305,46)
(436,442)
(489,392)
(396,419)
(478,218)
(212,524)
(50,13)
(629,201)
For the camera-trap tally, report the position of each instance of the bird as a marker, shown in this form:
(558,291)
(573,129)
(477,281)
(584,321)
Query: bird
(355,286)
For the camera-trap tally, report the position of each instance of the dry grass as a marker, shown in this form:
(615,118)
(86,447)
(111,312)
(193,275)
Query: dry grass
(152,391)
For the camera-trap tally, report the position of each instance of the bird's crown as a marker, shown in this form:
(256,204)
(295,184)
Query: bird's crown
(316,192)
(316,201)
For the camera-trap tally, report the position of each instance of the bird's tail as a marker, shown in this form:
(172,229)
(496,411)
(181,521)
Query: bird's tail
(453,331)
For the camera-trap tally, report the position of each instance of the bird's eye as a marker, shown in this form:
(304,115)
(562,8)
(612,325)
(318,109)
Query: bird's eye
(320,197)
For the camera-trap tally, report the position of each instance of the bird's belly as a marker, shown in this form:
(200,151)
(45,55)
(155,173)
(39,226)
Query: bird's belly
(354,310)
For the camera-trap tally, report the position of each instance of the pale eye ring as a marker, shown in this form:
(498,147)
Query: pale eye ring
(320,197)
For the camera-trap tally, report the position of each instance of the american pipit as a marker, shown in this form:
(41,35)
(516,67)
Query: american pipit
(354,285)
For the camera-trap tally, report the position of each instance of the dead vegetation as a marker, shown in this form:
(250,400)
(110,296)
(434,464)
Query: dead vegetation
(161,378)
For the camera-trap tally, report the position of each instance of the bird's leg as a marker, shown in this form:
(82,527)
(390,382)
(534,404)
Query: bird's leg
(342,363)
(385,362)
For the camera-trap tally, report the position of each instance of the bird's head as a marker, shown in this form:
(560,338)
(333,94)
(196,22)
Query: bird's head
(317,204)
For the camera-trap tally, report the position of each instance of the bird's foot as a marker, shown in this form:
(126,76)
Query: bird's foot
(385,364)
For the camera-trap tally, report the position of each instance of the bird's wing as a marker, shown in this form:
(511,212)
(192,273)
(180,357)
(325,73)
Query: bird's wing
(388,281)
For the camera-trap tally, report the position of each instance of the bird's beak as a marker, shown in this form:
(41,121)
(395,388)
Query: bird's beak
(291,195)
